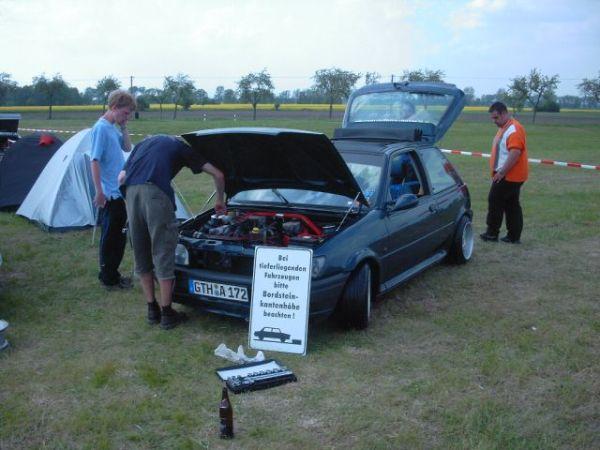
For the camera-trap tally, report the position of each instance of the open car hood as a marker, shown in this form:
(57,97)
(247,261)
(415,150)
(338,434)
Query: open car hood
(266,158)
(430,108)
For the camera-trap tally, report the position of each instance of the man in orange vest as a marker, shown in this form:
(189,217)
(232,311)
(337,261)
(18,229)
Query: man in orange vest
(509,168)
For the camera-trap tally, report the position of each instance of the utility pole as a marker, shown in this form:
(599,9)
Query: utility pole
(131,84)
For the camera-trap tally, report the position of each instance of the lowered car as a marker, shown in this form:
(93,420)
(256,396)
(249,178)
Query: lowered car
(271,333)
(377,204)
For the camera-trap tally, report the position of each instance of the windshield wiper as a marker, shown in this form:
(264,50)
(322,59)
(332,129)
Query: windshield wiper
(281,197)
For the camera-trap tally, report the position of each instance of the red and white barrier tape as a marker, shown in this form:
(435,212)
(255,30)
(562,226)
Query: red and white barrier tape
(453,152)
(531,160)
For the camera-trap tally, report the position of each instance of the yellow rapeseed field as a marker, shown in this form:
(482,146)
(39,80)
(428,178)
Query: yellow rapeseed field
(234,107)
(171,107)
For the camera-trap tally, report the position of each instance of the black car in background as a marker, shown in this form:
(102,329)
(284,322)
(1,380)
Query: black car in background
(377,204)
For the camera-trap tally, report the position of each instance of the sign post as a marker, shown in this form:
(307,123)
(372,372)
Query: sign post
(280,299)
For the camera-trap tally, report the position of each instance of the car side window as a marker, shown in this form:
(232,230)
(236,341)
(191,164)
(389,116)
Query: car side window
(438,169)
(404,177)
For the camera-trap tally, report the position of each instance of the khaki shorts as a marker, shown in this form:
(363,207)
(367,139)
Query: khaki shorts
(153,230)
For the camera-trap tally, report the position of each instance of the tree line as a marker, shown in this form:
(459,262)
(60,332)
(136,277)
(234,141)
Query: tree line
(330,86)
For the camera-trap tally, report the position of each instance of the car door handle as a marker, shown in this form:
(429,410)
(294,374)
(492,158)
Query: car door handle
(433,208)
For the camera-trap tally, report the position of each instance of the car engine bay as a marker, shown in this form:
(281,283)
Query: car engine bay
(251,228)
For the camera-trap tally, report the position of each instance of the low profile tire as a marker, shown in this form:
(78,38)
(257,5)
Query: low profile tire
(355,304)
(461,249)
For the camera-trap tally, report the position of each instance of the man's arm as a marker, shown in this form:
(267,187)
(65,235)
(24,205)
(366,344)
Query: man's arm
(219,180)
(513,157)
(121,177)
(99,198)
(126,138)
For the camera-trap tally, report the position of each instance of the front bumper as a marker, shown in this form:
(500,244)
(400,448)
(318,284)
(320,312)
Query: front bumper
(323,296)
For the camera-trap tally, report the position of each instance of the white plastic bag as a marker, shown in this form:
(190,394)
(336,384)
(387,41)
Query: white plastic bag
(240,357)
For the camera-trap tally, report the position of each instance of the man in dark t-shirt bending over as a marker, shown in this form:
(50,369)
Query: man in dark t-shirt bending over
(150,200)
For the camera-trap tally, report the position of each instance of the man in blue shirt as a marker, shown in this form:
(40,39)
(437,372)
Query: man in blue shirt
(110,139)
(146,180)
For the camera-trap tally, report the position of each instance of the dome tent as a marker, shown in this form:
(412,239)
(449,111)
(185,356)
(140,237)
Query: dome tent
(62,197)
(22,164)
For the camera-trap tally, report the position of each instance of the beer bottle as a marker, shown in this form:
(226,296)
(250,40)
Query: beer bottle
(225,416)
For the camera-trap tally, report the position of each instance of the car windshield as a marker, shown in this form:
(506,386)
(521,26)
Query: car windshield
(398,106)
(366,169)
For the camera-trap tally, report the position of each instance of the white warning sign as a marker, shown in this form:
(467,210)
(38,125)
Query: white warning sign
(280,299)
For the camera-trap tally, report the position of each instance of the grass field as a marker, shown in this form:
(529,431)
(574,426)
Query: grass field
(501,353)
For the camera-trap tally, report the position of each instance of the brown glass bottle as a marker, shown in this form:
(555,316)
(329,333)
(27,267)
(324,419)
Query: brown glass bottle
(225,416)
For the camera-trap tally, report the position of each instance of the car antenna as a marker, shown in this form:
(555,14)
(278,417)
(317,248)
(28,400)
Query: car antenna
(348,212)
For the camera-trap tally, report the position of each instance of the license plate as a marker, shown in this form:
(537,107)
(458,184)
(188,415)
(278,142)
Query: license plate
(218,290)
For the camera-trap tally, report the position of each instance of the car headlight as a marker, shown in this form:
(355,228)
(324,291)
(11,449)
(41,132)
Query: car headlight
(182,255)
(318,262)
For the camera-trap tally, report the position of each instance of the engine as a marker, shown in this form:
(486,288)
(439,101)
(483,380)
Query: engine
(261,228)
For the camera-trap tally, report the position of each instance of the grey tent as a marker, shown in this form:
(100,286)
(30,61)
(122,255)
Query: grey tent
(62,197)
(22,164)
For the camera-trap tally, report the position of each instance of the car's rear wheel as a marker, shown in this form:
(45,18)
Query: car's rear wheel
(461,249)
(355,304)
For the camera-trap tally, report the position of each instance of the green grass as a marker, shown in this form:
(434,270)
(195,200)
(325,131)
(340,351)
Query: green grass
(500,353)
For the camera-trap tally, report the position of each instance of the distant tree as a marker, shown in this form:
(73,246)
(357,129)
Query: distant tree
(372,78)
(219,93)
(254,88)
(469,95)
(284,97)
(590,89)
(309,96)
(71,96)
(435,76)
(137,90)
(569,101)
(159,96)
(51,89)
(533,87)
(335,84)
(230,96)
(143,104)
(202,97)
(513,97)
(90,96)
(6,87)
(549,103)
(105,86)
(181,91)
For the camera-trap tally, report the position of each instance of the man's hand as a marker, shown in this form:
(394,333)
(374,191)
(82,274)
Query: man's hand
(100,199)
(220,208)
(498,176)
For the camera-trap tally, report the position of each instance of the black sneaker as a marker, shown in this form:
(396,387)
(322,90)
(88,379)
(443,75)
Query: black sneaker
(509,240)
(153,313)
(489,237)
(171,318)
(123,283)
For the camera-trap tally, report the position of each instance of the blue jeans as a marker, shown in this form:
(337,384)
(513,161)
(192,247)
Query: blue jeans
(112,241)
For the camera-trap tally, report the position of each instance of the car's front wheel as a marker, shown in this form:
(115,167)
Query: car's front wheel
(355,304)
(461,249)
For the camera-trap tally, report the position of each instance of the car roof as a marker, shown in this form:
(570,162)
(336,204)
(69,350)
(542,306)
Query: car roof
(376,148)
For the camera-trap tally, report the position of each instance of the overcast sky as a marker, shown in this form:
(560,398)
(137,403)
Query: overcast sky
(478,43)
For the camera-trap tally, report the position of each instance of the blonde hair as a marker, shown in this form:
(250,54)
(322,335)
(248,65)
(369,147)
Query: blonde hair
(120,98)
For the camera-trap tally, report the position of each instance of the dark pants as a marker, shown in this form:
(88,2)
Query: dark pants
(112,241)
(504,199)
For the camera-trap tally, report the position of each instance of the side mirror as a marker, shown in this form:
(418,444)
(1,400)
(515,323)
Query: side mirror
(406,201)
